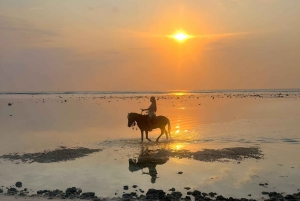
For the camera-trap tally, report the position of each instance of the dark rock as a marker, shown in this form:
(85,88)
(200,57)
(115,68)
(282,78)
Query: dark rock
(189,193)
(25,189)
(187,198)
(211,194)
(9,104)
(40,192)
(297,195)
(71,191)
(289,197)
(196,193)
(12,191)
(176,194)
(126,197)
(18,184)
(187,188)
(134,186)
(1,190)
(172,189)
(220,197)
(155,194)
(265,193)
(179,172)
(87,195)
(125,187)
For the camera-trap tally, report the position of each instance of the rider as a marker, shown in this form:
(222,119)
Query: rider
(151,111)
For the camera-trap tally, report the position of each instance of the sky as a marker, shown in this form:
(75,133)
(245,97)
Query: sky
(121,45)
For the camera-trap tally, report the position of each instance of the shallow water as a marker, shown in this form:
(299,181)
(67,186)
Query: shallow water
(198,121)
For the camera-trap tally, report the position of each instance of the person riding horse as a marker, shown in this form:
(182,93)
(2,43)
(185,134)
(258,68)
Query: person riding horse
(151,112)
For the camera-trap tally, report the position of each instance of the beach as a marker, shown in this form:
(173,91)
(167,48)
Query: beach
(235,144)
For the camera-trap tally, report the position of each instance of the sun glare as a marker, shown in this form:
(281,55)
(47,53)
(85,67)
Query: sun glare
(180,36)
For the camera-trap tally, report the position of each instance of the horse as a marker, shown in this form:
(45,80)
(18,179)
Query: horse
(141,120)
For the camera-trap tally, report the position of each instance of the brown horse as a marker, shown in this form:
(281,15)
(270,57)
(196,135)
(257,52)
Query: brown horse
(141,120)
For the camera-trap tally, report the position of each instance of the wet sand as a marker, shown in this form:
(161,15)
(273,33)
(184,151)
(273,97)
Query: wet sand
(228,143)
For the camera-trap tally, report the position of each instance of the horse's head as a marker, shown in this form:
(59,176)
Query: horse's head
(131,120)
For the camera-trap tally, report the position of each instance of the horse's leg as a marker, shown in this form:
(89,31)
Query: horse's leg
(147,136)
(142,135)
(166,132)
(161,133)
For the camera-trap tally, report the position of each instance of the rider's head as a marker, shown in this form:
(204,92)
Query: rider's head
(152,99)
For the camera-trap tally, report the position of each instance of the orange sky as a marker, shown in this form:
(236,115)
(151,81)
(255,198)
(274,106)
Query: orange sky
(124,45)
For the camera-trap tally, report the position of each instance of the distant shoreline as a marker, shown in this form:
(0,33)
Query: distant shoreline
(162,92)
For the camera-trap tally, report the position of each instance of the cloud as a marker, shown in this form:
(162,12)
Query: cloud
(23,29)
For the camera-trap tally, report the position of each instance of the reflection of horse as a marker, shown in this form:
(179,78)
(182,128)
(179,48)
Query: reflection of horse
(141,120)
(149,159)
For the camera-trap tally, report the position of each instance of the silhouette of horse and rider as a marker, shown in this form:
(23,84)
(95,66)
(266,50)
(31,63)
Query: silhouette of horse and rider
(150,121)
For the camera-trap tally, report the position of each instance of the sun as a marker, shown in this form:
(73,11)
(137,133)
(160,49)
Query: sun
(180,36)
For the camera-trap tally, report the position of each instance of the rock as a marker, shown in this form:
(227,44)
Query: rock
(187,198)
(196,193)
(220,197)
(179,172)
(18,184)
(172,189)
(176,195)
(78,191)
(289,197)
(125,187)
(40,192)
(1,190)
(126,197)
(211,194)
(297,195)
(9,104)
(134,186)
(87,195)
(70,191)
(153,194)
(187,188)
(265,193)
(12,191)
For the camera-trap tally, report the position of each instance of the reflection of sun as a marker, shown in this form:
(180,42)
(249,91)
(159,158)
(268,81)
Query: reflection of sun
(179,93)
(177,146)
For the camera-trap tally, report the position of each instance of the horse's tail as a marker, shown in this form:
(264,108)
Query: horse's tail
(169,128)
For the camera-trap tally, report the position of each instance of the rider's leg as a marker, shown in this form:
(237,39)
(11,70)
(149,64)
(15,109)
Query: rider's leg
(149,123)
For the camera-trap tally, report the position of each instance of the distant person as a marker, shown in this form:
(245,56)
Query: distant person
(151,112)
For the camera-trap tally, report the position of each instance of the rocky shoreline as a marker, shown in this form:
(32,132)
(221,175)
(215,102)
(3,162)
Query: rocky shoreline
(138,194)
(51,156)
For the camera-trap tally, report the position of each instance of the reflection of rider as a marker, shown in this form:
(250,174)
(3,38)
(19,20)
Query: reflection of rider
(151,111)
(149,159)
